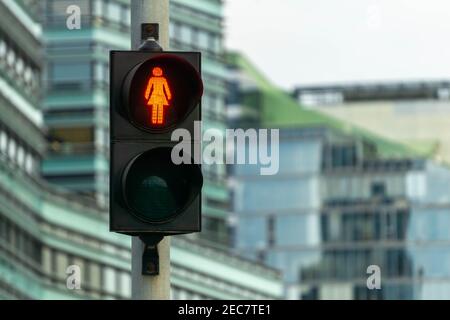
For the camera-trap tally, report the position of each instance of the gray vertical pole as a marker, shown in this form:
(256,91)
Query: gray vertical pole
(150,287)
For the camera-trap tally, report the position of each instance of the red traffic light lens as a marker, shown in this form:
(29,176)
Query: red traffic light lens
(160,92)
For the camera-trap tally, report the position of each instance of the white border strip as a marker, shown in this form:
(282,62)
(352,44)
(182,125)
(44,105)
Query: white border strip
(34,28)
(27,109)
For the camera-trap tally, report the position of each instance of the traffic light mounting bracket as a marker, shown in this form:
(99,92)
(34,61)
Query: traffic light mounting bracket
(149,30)
(150,256)
(150,37)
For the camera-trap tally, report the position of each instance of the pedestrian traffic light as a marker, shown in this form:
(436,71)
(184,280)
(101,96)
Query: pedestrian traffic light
(151,95)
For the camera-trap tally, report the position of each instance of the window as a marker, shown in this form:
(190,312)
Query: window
(71,71)
(338,156)
(29,163)
(109,280)
(214,43)
(218,104)
(332,226)
(34,79)
(312,294)
(114,12)
(186,34)
(125,284)
(2,49)
(61,265)
(183,295)
(174,294)
(252,232)
(11,57)
(27,74)
(391,225)
(126,16)
(171,30)
(74,135)
(378,189)
(99,74)
(3,142)
(94,276)
(176,30)
(47,260)
(206,101)
(82,265)
(12,149)
(203,40)
(97,8)
(194,37)
(20,156)
(19,66)
(270,231)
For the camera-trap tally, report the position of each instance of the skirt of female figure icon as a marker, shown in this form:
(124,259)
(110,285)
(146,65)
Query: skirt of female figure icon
(157,101)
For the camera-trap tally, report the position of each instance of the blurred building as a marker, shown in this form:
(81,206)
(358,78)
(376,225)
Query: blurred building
(415,113)
(46,227)
(343,199)
(197,25)
(76,100)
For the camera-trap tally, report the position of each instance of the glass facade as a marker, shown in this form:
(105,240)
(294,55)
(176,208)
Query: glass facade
(198,26)
(77,69)
(46,227)
(336,207)
(414,112)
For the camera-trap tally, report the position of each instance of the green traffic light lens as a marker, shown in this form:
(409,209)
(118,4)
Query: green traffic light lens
(157,190)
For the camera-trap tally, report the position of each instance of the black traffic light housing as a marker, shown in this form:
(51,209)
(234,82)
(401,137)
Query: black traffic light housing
(149,194)
(124,64)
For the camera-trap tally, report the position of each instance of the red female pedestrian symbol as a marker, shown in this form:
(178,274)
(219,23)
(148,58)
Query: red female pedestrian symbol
(157,95)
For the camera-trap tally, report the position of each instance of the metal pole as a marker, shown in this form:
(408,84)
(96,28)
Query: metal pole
(150,287)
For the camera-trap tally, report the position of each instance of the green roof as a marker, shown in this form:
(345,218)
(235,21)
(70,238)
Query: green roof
(279,110)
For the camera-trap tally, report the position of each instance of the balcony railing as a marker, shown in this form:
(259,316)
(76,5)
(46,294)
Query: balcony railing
(57,148)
